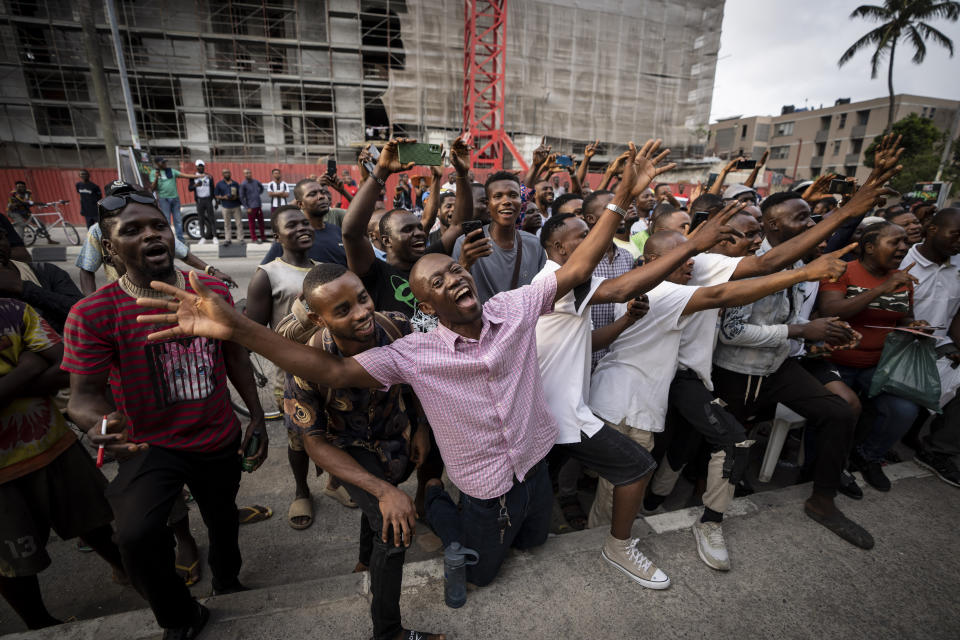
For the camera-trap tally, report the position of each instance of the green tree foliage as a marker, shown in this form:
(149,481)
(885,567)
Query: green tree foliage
(923,144)
(901,21)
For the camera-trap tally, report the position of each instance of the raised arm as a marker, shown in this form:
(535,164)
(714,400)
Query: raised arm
(463,203)
(613,169)
(584,167)
(741,292)
(432,204)
(207,314)
(356,243)
(786,253)
(717,185)
(752,178)
(640,170)
(540,156)
(644,278)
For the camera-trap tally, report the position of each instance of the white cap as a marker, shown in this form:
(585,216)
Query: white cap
(200,163)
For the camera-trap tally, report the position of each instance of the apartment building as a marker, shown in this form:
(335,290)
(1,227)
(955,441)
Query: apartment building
(806,143)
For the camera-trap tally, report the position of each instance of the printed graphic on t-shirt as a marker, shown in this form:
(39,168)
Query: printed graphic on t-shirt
(182,369)
(403,294)
(898,301)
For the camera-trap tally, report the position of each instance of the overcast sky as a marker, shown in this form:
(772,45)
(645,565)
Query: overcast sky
(777,52)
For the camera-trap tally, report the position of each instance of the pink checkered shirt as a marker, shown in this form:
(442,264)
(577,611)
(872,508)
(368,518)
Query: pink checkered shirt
(483,397)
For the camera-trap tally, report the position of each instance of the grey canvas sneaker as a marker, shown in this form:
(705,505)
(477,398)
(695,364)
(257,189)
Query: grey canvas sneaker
(624,555)
(711,546)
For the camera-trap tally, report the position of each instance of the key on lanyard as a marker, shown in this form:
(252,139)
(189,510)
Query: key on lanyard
(504,519)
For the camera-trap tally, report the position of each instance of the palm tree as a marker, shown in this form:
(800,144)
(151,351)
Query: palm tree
(902,20)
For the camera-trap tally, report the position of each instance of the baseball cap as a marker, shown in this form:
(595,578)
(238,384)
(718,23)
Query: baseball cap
(735,190)
(200,163)
(159,159)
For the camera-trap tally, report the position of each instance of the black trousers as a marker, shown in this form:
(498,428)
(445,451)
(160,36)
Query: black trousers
(693,415)
(207,218)
(791,385)
(141,497)
(385,560)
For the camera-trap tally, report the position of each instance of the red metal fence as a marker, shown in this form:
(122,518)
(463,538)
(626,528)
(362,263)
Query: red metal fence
(60,184)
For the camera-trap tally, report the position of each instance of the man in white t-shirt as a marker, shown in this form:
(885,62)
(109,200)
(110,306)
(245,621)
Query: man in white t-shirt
(936,298)
(647,355)
(278,190)
(691,398)
(565,340)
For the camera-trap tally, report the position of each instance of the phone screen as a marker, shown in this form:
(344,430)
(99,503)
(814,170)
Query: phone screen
(331,167)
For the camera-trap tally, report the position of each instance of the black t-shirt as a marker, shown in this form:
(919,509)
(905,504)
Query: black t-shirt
(89,196)
(390,289)
(12,236)
(327,247)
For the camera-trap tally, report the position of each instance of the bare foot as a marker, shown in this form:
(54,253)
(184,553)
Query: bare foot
(360,568)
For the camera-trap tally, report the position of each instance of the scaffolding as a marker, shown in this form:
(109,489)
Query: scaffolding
(297,81)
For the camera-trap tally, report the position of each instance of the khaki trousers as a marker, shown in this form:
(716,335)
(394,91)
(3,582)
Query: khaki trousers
(601,512)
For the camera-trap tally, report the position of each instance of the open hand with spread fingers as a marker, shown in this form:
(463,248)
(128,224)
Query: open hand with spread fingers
(716,230)
(203,313)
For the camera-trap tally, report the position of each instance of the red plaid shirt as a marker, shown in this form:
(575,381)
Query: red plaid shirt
(483,398)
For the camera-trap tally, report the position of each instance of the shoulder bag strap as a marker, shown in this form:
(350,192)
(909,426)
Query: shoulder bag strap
(516,264)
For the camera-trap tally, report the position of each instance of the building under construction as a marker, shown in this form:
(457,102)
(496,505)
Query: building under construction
(292,81)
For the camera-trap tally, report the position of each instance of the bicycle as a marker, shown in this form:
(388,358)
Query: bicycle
(264,375)
(34,226)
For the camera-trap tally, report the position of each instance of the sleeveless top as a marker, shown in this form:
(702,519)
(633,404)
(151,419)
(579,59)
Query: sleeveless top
(286,283)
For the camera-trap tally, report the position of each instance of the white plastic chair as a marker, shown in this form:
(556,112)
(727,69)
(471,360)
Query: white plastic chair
(783,422)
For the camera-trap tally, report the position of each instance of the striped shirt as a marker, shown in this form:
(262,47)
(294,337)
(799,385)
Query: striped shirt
(603,314)
(483,397)
(174,392)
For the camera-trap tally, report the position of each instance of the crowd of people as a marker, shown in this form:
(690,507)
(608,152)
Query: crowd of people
(500,341)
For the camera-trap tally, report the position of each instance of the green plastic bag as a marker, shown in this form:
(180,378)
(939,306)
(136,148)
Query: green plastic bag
(908,369)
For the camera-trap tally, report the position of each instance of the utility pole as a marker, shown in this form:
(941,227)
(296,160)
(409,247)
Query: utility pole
(99,78)
(122,68)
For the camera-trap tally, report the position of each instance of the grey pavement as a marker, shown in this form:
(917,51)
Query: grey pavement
(791,579)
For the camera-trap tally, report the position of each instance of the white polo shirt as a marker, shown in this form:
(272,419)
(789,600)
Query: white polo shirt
(699,336)
(633,380)
(563,349)
(936,297)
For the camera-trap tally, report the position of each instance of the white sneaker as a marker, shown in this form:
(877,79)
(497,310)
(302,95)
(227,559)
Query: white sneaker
(625,556)
(202,241)
(215,241)
(711,545)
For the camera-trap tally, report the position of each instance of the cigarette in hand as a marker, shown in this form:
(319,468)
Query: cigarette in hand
(103,432)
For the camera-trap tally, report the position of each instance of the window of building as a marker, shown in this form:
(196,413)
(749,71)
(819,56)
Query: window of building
(54,121)
(825,122)
(780,153)
(863,117)
(784,129)
(226,94)
(836,147)
(933,111)
(850,171)
(821,148)
(743,131)
(843,121)
(856,145)
(51,84)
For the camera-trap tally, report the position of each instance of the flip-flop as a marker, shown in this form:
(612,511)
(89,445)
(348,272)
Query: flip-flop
(341,495)
(191,575)
(843,527)
(300,508)
(253,513)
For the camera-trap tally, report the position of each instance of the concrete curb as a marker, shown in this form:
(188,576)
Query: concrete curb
(140,625)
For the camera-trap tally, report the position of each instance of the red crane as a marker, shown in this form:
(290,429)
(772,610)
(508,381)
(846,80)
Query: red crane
(484,67)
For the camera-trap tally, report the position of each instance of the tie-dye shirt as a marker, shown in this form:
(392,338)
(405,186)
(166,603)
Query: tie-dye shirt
(32,431)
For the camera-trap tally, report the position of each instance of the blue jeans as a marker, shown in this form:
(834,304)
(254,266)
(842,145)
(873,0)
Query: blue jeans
(171,207)
(474,525)
(894,417)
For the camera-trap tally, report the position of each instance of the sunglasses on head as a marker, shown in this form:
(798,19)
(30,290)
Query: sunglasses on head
(119,201)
